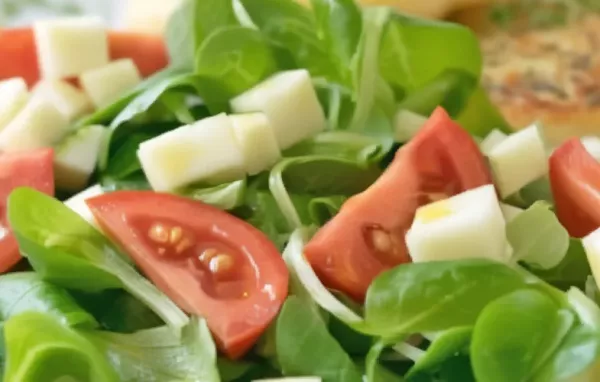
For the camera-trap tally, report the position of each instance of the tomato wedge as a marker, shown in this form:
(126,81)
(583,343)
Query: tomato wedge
(209,262)
(19,55)
(31,169)
(575,182)
(367,236)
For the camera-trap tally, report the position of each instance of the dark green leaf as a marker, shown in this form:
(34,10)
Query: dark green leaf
(367,83)
(451,89)
(26,292)
(435,296)
(446,345)
(516,334)
(292,29)
(105,115)
(415,51)
(340,25)
(305,347)
(315,175)
(234,58)
(480,116)
(118,311)
(191,24)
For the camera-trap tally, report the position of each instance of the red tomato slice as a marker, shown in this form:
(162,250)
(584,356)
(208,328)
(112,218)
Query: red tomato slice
(575,182)
(32,169)
(209,262)
(19,55)
(148,51)
(367,236)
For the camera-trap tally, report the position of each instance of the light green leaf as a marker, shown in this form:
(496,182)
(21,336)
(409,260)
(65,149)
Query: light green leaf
(41,348)
(156,355)
(434,296)
(516,334)
(305,347)
(415,51)
(537,237)
(26,292)
(66,250)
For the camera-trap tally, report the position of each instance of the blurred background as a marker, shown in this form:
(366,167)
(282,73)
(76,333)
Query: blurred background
(541,57)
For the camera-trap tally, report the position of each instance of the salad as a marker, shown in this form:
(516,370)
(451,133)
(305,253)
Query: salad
(285,193)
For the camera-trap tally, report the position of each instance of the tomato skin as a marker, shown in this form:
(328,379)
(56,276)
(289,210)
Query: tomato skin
(441,159)
(19,55)
(29,169)
(575,183)
(148,51)
(236,322)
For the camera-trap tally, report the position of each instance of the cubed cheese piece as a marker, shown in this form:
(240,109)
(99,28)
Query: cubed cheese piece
(76,157)
(592,145)
(206,151)
(290,102)
(106,84)
(69,100)
(493,139)
(38,125)
(518,160)
(591,244)
(77,203)
(257,140)
(13,97)
(69,47)
(468,225)
(407,124)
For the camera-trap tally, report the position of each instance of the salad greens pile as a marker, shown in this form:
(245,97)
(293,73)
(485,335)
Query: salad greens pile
(85,311)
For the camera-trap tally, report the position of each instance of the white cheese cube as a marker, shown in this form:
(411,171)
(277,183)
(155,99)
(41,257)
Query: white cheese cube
(69,47)
(592,145)
(518,160)
(70,101)
(76,157)
(591,244)
(13,97)
(77,203)
(206,151)
(468,225)
(290,102)
(493,139)
(106,84)
(257,141)
(407,124)
(38,125)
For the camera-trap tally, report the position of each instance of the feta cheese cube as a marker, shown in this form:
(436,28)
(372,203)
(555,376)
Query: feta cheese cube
(68,47)
(106,84)
(468,225)
(290,102)
(206,151)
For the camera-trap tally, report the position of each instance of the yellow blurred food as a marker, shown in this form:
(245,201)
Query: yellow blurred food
(150,16)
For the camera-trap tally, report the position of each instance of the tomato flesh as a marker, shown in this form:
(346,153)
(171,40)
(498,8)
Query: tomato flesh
(19,54)
(575,183)
(209,262)
(31,169)
(367,236)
